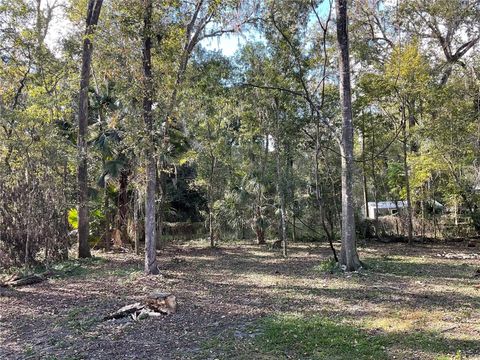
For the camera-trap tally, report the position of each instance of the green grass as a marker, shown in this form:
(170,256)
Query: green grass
(93,267)
(77,322)
(400,266)
(319,338)
(327,266)
(77,267)
(61,270)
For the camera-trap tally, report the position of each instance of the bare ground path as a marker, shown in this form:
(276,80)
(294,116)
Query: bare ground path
(411,303)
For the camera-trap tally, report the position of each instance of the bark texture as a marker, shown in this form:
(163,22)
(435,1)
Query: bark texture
(348,255)
(94,7)
(151,267)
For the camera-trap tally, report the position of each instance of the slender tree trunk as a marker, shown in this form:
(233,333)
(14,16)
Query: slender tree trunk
(210,200)
(375,196)
(407,178)
(259,220)
(94,7)
(123,202)
(106,231)
(280,183)
(161,186)
(107,236)
(281,195)
(283,212)
(210,228)
(64,245)
(135,223)
(349,256)
(364,184)
(423,220)
(151,267)
(29,209)
(294,228)
(259,225)
(364,173)
(318,195)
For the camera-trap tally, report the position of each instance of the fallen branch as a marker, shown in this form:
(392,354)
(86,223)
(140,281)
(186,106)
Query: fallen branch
(19,280)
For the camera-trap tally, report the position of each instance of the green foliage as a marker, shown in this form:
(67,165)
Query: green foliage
(327,266)
(234,136)
(73,218)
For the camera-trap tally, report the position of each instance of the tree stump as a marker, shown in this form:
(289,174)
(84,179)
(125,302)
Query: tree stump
(161,302)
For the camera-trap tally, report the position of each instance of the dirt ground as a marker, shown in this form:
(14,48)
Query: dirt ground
(223,293)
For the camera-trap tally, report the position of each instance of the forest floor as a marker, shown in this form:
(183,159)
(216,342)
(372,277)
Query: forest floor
(243,301)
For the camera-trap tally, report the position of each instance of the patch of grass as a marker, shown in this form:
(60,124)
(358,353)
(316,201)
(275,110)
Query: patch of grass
(71,267)
(315,337)
(327,266)
(77,267)
(410,267)
(457,356)
(77,321)
(318,338)
(29,351)
(130,271)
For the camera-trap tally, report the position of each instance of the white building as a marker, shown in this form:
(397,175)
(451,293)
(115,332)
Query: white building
(384,208)
(389,207)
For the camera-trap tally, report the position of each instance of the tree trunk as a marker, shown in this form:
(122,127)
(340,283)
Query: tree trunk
(94,7)
(107,236)
(407,178)
(259,220)
(29,209)
(349,256)
(283,224)
(294,228)
(210,227)
(374,180)
(280,183)
(65,243)
(364,174)
(123,202)
(151,267)
(210,200)
(161,186)
(281,195)
(136,234)
(318,195)
(260,232)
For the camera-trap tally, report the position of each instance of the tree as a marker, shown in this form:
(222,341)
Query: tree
(93,13)
(151,267)
(348,255)
(450,24)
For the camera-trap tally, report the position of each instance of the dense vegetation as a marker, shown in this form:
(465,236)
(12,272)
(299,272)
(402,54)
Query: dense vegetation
(292,138)
(247,144)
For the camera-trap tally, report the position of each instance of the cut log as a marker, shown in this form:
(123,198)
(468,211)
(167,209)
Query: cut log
(155,304)
(161,302)
(17,280)
(125,311)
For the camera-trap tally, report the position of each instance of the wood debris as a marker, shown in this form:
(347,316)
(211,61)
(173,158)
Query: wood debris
(22,280)
(155,304)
